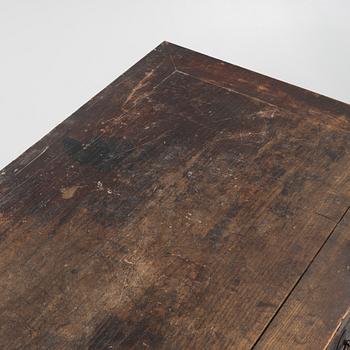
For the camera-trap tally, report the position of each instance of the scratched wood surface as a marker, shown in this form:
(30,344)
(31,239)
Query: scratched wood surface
(190,204)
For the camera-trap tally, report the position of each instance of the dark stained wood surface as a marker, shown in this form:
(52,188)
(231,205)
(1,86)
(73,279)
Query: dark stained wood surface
(319,303)
(190,204)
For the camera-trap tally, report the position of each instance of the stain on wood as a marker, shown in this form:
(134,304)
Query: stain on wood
(190,204)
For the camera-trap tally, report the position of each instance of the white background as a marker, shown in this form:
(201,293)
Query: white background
(57,54)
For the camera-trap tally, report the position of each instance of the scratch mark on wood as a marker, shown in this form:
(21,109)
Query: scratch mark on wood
(33,160)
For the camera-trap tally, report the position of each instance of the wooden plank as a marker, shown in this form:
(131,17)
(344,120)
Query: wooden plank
(171,211)
(317,307)
(255,85)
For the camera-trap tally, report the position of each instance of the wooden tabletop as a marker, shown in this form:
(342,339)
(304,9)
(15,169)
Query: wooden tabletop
(192,204)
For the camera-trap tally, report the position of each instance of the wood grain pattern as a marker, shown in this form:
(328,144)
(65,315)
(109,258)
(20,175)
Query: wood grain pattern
(190,204)
(319,302)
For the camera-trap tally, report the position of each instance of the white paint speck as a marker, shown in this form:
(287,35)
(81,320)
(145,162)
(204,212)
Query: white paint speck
(99,186)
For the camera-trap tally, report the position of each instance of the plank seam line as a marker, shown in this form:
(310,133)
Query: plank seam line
(234,91)
(299,279)
(257,99)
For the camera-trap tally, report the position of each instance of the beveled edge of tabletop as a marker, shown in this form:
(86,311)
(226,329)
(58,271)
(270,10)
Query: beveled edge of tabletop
(253,84)
(139,80)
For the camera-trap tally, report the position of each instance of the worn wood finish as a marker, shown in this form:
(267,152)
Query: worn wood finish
(319,303)
(190,204)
